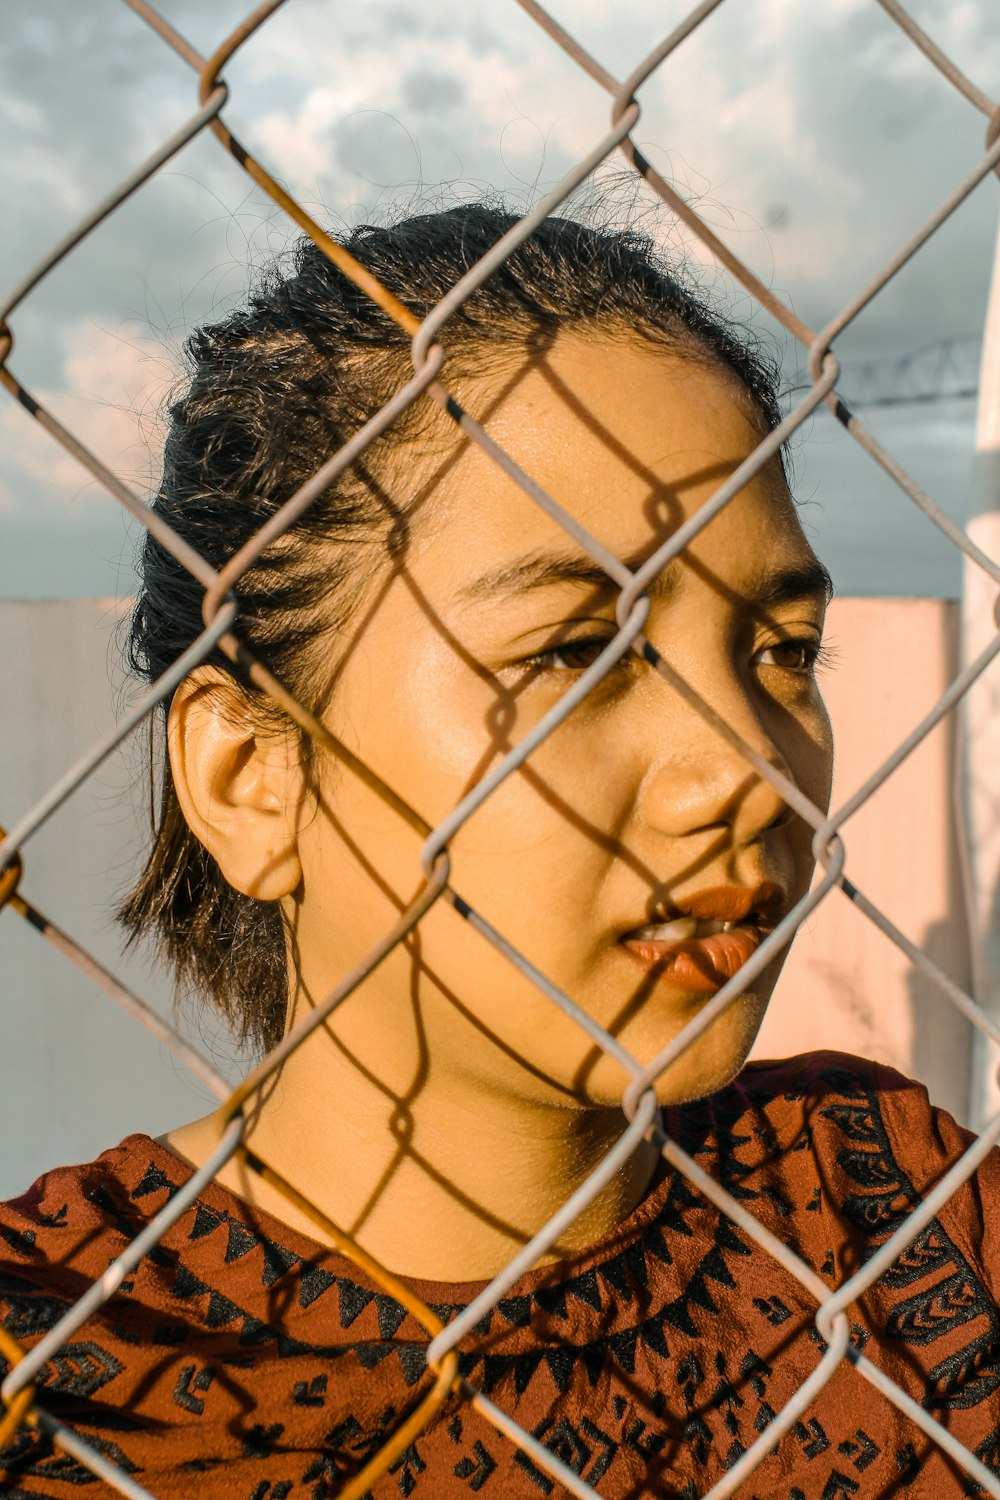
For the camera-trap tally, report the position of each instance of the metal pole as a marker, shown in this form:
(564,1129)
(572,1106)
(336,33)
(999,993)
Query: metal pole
(978,761)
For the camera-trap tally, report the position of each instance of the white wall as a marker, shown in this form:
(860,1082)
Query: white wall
(845,985)
(77,1073)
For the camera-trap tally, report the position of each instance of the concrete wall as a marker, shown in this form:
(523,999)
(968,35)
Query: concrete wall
(77,1073)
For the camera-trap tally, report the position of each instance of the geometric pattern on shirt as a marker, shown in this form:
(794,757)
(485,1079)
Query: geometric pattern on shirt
(932,1290)
(947,1291)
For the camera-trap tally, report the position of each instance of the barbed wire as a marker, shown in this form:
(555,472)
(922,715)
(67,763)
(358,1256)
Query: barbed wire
(21,1390)
(945,370)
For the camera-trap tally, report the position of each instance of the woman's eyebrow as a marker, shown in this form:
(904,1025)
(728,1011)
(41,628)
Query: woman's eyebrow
(787,585)
(542,570)
(539,570)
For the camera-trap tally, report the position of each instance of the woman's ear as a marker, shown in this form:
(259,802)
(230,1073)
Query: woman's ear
(241,789)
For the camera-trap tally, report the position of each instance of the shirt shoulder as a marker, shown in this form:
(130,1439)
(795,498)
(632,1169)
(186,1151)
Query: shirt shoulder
(858,1145)
(812,1087)
(844,1100)
(74,1219)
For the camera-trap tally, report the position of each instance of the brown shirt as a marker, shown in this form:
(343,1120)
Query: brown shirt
(243,1360)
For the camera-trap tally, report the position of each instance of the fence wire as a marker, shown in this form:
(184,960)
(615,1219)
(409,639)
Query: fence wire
(22,1399)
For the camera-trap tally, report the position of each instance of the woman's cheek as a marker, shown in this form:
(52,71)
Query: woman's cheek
(816,774)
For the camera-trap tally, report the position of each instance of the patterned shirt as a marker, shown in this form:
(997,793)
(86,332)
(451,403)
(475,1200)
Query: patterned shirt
(243,1360)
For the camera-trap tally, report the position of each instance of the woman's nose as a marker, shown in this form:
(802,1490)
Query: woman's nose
(699,780)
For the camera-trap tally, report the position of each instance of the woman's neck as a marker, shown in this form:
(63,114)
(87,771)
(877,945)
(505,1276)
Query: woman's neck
(447,1187)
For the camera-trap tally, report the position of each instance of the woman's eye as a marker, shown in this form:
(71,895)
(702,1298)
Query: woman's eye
(569,656)
(801,654)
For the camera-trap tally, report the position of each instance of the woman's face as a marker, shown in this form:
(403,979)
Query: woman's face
(634,812)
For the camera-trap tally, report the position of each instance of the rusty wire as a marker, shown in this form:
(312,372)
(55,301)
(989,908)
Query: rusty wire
(19,1394)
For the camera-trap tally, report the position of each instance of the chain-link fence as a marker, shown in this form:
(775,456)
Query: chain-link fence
(23,1390)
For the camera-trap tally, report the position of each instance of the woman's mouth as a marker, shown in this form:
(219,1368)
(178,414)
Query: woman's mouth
(695,954)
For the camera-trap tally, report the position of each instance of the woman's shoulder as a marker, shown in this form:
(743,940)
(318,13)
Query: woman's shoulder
(849,1092)
(70,1215)
(811,1073)
(854,1114)
(62,1232)
(852,1139)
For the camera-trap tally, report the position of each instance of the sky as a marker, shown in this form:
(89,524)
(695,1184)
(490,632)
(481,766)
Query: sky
(814,138)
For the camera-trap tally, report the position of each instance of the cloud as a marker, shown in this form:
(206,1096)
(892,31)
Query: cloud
(111,398)
(814,138)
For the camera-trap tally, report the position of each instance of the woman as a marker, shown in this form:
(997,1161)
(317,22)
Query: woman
(430,612)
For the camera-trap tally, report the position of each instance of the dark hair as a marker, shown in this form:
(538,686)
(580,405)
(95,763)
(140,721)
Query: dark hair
(275,388)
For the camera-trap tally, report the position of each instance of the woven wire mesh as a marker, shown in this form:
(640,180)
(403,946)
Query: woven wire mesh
(23,1401)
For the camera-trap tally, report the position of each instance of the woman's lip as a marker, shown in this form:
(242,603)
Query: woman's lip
(733,903)
(699,965)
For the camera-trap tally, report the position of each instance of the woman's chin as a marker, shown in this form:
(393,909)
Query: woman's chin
(713,1059)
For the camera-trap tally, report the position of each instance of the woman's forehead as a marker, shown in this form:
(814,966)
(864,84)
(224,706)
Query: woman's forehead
(630,440)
